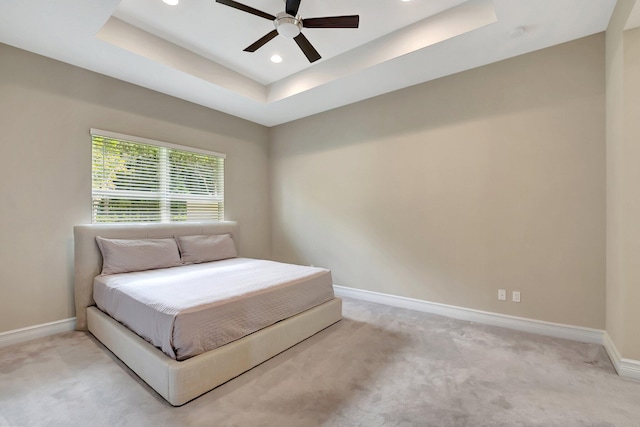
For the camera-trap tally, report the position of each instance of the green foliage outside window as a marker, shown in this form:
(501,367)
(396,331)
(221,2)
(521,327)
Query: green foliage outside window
(135,182)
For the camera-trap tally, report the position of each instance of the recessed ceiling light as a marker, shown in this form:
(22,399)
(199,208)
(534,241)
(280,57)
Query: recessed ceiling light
(405,0)
(171,2)
(276,59)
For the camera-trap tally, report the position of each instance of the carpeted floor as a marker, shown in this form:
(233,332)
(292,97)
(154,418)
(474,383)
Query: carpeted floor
(379,366)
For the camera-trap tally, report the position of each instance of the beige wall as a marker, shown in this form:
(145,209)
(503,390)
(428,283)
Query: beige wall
(623,176)
(447,191)
(632,193)
(614,66)
(46,110)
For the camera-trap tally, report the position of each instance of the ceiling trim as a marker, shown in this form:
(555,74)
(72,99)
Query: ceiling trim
(445,25)
(135,40)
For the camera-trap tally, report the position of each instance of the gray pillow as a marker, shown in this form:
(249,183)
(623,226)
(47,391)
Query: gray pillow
(126,255)
(197,249)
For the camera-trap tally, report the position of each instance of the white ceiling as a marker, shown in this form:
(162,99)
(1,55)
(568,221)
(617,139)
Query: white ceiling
(194,51)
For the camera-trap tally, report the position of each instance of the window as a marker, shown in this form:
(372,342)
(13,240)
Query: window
(140,180)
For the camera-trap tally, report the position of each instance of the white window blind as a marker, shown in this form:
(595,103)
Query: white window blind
(140,180)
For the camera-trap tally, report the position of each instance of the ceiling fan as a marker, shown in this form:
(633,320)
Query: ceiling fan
(289,24)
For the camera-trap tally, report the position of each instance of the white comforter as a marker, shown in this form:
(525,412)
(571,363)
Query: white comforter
(191,309)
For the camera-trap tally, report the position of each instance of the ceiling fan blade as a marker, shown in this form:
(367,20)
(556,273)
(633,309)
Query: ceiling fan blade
(351,21)
(309,51)
(257,45)
(245,8)
(292,7)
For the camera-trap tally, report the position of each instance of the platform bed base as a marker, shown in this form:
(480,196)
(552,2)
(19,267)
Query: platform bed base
(180,382)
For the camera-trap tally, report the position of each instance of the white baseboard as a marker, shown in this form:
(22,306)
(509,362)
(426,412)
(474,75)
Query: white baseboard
(576,333)
(38,331)
(627,368)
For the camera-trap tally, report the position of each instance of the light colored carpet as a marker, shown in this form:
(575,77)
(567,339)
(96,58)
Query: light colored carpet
(379,366)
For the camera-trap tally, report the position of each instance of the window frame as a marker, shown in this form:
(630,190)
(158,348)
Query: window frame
(165,217)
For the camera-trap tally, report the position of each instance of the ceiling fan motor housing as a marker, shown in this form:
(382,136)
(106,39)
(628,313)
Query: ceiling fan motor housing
(287,25)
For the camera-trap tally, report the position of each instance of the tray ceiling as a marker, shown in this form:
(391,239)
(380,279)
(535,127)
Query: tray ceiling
(194,50)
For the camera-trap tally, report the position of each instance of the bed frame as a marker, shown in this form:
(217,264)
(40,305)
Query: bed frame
(180,382)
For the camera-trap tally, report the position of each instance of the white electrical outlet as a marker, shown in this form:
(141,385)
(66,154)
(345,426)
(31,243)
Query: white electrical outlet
(515,297)
(502,295)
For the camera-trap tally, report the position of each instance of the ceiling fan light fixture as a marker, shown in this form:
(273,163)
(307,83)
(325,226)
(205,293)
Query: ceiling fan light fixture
(276,59)
(288,26)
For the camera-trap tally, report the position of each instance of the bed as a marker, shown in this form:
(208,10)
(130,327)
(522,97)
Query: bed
(179,381)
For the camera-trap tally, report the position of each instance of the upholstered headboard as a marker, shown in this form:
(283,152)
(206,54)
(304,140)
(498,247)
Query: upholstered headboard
(88,260)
